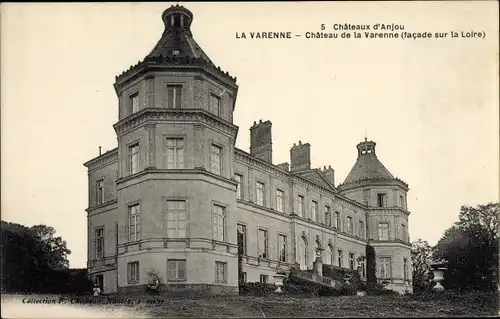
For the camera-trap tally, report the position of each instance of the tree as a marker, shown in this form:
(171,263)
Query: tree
(371,267)
(471,248)
(54,247)
(421,257)
(30,256)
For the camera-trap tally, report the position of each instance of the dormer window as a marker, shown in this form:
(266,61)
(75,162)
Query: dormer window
(175,52)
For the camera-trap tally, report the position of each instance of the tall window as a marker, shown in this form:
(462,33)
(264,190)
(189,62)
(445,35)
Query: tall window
(385,268)
(282,247)
(242,229)
(329,255)
(263,244)
(134,102)
(176,219)
(349,224)
(382,199)
(216,159)
(220,271)
(100,192)
(403,232)
(300,205)
(260,193)
(239,187)
(302,253)
(218,222)
(99,241)
(315,211)
(337,220)
(401,201)
(383,231)
(351,261)
(328,216)
(176,270)
(134,222)
(280,200)
(405,268)
(133,272)
(361,229)
(133,158)
(214,104)
(175,153)
(174,96)
(339,256)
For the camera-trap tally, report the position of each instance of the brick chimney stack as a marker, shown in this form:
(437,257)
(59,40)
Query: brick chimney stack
(329,174)
(300,157)
(261,144)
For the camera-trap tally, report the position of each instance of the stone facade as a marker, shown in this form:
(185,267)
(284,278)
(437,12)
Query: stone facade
(172,197)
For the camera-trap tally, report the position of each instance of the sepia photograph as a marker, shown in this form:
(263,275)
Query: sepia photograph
(250,159)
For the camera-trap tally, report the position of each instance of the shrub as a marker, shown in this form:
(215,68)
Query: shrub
(378,289)
(256,289)
(348,289)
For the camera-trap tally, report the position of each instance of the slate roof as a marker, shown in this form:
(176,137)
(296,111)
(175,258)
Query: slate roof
(368,166)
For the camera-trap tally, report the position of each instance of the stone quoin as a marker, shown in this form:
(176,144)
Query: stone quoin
(176,197)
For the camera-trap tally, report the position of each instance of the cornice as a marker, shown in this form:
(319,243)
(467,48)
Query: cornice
(105,159)
(174,64)
(373,182)
(154,173)
(102,208)
(247,158)
(165,115)
(386,243)
(390,210)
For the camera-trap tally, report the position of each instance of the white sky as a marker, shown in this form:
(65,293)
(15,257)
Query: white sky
(430,105)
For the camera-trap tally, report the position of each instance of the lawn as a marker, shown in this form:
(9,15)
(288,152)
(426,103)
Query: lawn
(344,306)
(282,306)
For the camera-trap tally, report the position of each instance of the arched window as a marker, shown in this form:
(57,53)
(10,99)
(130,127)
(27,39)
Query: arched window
(302,253)
(329,255)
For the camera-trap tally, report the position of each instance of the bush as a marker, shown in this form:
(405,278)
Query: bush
(256,289)
(473,297)
(348,290)
(379,289)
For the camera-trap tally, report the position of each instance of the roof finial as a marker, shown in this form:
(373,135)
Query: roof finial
(365,135)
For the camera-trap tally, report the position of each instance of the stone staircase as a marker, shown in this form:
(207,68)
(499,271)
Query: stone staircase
(310,275)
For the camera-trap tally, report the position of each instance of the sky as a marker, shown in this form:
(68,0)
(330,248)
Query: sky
(431,105)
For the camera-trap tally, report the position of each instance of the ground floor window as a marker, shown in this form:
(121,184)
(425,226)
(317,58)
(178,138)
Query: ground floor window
(263,279)
(220,271)
(176,270)
(133,272)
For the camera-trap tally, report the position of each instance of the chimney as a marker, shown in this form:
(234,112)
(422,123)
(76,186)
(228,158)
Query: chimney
(300,157)
(329,174)
(261,144)
(100,151)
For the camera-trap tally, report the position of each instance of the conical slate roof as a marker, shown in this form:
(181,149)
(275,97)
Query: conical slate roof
(367,165)
(177,39)
(176,48)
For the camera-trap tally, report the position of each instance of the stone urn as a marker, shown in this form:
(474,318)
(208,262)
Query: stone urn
(278,278)
(438,271)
